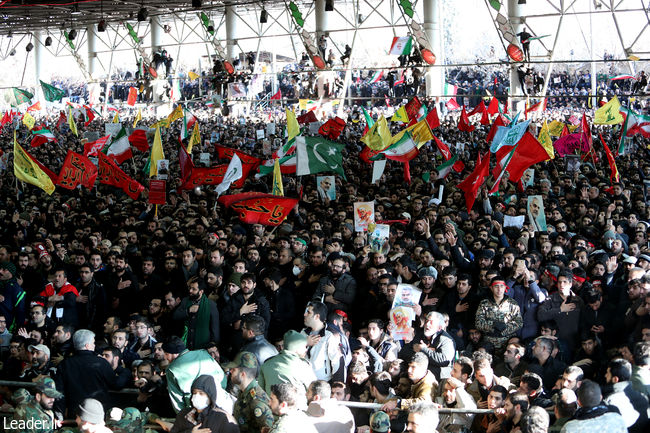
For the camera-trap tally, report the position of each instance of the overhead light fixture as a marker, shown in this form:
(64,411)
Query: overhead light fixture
(72,34)
(101,26)
(264,17)
(29,47)
(48,41)
(143,14)
(75,10)
(12,52)
(10,35)
(521,2)
(197,4)
(329,5)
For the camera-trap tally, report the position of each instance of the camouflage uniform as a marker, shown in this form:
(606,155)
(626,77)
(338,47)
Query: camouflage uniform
(131,421)
(252,411)
(33,411)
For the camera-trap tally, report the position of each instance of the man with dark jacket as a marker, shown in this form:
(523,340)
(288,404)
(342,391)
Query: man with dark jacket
(91,302)
(253,328)
(12,296)
(338,289)
(435,343)
(61,298)
(84,374)
(200,316)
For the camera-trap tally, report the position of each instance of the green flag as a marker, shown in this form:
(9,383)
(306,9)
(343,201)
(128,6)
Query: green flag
(407,7)
(206,23)
(296,14)
(496,4)
(51,93)
(317,155)
(67,38)
(22,96)
(133,34)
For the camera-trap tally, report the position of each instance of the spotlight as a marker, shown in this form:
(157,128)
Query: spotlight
(12,52)
(196,4)
(101,26)
(264,16)
(72,34)
(29,47)
(329,5)
(143,14)
(48,41)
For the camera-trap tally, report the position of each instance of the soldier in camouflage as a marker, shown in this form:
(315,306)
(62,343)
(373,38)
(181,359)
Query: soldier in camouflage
(37,416)
(498,316)
(251,411)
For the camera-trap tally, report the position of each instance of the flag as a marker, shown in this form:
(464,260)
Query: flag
(227,153)
(473,182)
(447,155)
(77,170)
(555,128)
(495,126)
(586,142)
(544,139)
(369,121)
(133,96)
(175,115)
(214,176)
(493,107)
(636,123)
(293,129)
(193,75)
(156,154)
(614,175)
(621,143)
(138,139)
(277,95)
(259,208)
(400,115)
(109,173)
(120,148)
(446,167)
(277,188)
(233,173)
(189,121)
(28,120)
(185,162)
(332,128)
(27,170)
(287,165)
(567,144)
(41,137)
(479,109)
(508,135)
(62,119)
(496,4)
(609,114)
(412,108)
(195,139)
(138,117)
(90,115)
(378,137)
(308,117)
(518,158)
(421,133)
(6,118)
(92,148)
(317,155)
(463,122)
(432,118)
(51,93)
(22,96)
(533,108)
(452,104)
(116,117)
(35,107)
(376,77)
(401,46)
(403,147)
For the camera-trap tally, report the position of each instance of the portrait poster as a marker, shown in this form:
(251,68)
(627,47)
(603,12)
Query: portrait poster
(572,163)
(364,214)
(536,215)
(378,239)
(528,179)
(326,186)
(402,312)
(163,168)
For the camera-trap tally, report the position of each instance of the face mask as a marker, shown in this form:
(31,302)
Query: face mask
(296,271)
(200,401)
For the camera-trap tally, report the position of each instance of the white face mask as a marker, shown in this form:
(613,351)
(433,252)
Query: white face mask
(296,271)
(200,401)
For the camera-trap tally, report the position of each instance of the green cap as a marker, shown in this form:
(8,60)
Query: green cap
(379,422)
(243,359)
(295,341)
(47,386)
(235,278)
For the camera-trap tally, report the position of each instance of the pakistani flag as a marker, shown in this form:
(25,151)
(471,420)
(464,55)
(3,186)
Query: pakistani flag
(317,155)
(51,93)
(22,96)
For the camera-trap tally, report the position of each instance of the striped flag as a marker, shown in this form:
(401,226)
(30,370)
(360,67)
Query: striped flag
(401,46)
(41,137)
(376,76)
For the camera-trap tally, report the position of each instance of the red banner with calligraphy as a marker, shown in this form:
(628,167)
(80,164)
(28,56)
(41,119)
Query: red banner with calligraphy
(214,176)
(332,128)
(77,170)
(111,174)
(157,191)
(265,209)
(227,153)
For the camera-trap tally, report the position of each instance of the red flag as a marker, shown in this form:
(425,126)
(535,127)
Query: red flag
(185,162)
(527,152)
(110,174)
(214,176)
(35,107)
(227,200)
(62,119)
(535,107)
(92,148)
(446,153)
(473,182)
(485,118)
(493,130)
(567,144)
(463,122)
(139,140)
(46,170)
(614,175)
(586,142)
(308,117)
(227,153)
(565,132)
(266,209)
(133,96)
(407,172)
(157,191)
(368,154)
(90,115)
(77,170)
(480,108)
(432,118)
(412,108)
(493,108)
(332,128)
(452,104)
(278,95)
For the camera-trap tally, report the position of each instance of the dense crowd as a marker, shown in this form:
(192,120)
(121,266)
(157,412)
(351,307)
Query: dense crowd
(227,326)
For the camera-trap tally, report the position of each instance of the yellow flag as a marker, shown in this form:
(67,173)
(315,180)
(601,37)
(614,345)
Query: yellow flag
(28,171)
(138,117)
(174,115)
(195,138)
(400,115)
(378,137)
(116,118)
(71,123)
(633,58)
(555,128)
(28,120)
(277,178)
(163,123)
(293,129)
(546,142)
(193,75)
(156,154)
(609,114)
(421,133)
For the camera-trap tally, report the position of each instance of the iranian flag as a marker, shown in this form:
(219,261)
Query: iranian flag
(446,167)
(120,148)
(287,166)
(401,46)
(403,149)
(41,137)
(636,123)
(189,120)
(376,76)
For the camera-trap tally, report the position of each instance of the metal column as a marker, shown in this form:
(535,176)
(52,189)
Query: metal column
(92,51)
(514,15)
(231,32)
(156,34)
(435,77)
(39,50)
(322,25)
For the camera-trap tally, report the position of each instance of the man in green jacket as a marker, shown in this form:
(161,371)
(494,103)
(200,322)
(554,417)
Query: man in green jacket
(289,366)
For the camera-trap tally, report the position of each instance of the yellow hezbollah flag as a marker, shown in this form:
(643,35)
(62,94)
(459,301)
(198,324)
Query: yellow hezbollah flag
(138,117)
(71,122)
(156,154)
(174,115)
(278,189)
(546,142)
(193,75)
(420,133)
(555,128)
(195,138)
(28,120)
(378,137)
(293,129)
(609,114)
(116,118)
(28,171)
(400,115)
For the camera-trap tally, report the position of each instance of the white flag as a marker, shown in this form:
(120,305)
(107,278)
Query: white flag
(378,169)
(233,173)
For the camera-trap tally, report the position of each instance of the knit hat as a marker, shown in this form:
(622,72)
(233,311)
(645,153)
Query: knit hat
(428,271)
(235,278)
(174,345)
(243,359)
(379,422)
(91,410)
(9,267)
(294,341)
